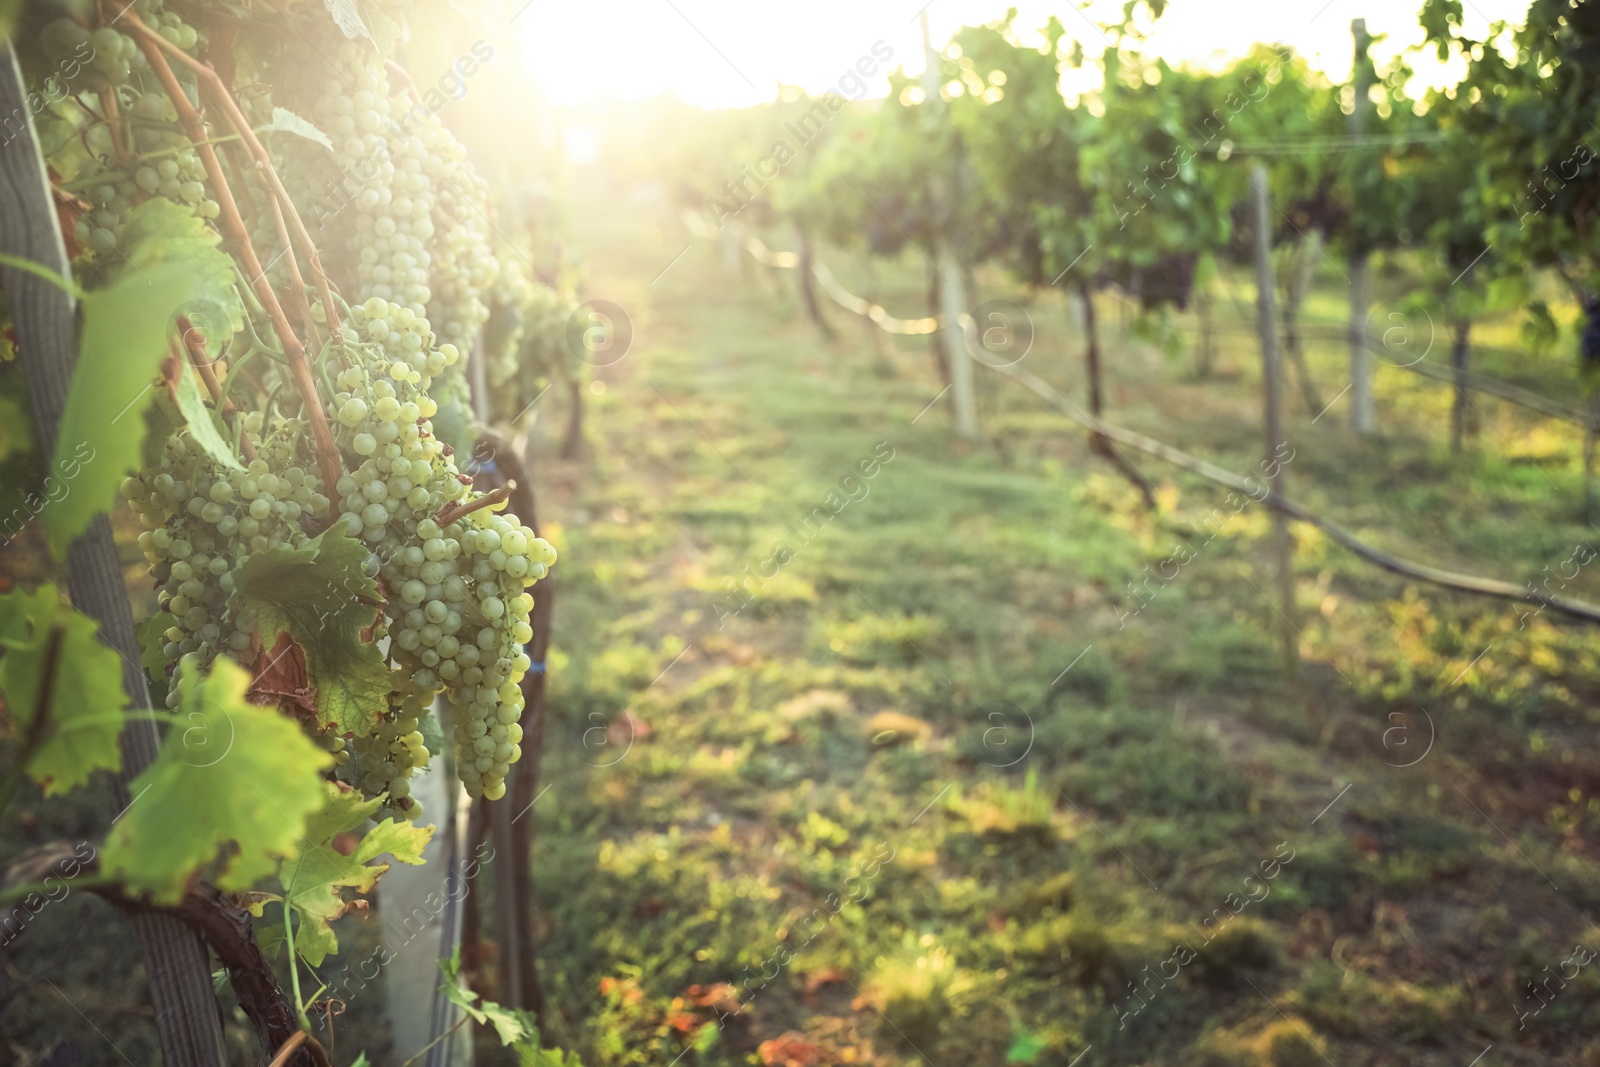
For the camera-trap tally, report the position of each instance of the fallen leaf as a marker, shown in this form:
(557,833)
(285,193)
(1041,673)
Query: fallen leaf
(790,1050)
(626,729)
(722,996)
(827,976)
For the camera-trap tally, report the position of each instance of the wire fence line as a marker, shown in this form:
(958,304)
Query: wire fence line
(1410,568)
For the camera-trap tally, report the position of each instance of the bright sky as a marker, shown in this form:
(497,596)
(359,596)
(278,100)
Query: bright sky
(729,53)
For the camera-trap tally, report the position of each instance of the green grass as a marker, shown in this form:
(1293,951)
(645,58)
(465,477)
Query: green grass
(874,698)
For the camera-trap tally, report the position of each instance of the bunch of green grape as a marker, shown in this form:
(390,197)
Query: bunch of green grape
(519,369)
(505,558)
(203,519)
(377,183)
(464,268)
(408,238)
(160,159)
(449,620)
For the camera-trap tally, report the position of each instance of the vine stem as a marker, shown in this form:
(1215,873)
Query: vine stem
(297,284)
(194,343)
(487,500)
(294,960)
(230,107)
(119,145)
(150,44)
(459,1023)
(296,1039)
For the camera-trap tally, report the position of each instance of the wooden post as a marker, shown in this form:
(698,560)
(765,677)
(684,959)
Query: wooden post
(1363,414)
(953,305)
(176,961)
(1208,341)
(947,265)
(1272,405)
(808,289)
(1091,359)
(1302,271)
(1458,362)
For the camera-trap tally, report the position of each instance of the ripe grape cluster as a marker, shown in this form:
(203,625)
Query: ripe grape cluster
(526,343)
(407,237)
(159,160)
(464,264)
(418,211)
(203,520)
(457,611)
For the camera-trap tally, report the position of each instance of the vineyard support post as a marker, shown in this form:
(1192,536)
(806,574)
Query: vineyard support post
(1272,404)
(1091,362)
(176,961)
(1302,273)
(1207,343)
(1363,416)
(947,267)
(808,290)
(952,305)
(1459,354)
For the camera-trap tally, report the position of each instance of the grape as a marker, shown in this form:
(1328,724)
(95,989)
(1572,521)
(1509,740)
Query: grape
(192,511)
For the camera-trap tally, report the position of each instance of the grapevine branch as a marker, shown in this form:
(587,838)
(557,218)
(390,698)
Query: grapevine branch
(224,925)
(233,226)
(297,284)
(219,90)
(487,500)
(194,343)
(298,1038)
(108,104)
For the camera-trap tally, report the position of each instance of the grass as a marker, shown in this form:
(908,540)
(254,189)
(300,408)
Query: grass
(896,689)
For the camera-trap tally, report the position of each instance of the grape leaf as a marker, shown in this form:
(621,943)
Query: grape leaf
(233,791)
(286,121)
(512,1026)
(202,426)
(171,260)
(320,594)
(312,881)
(384,31)
(347,16)
(79,733)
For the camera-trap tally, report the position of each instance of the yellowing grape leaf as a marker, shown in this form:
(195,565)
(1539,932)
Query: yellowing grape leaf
(202,423)
(171,261)
(320,594)
(40,636)
(313,880)
(230,791)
